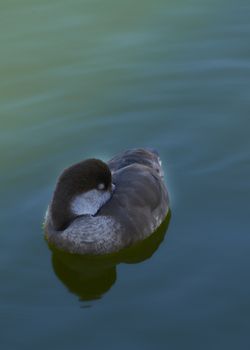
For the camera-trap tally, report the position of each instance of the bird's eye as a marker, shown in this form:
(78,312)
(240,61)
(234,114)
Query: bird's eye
(101,186)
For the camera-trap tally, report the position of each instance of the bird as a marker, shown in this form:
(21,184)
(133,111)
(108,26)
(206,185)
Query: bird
(100,208)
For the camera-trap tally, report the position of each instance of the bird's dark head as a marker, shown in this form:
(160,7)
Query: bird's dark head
(81,189)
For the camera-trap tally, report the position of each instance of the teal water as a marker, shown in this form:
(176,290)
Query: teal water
(92,78)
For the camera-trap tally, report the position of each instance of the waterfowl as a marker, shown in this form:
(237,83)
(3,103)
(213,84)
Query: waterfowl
(100,208)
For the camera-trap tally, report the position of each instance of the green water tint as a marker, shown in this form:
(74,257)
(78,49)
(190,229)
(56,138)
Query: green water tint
(89,277)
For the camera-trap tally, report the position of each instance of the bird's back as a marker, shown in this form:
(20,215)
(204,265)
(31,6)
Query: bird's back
(140,201)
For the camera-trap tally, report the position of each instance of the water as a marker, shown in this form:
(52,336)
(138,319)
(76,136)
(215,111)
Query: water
(92,78)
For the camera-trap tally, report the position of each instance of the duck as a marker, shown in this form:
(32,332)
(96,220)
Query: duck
(100,208)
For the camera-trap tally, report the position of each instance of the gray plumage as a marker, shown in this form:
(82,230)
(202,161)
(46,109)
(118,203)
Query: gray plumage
(139,204)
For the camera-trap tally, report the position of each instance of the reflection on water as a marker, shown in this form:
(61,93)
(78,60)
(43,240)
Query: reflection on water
(90,277)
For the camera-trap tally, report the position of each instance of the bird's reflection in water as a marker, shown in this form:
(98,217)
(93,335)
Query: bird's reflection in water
(90,277)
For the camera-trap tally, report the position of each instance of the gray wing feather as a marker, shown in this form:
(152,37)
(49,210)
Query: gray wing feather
(140,201)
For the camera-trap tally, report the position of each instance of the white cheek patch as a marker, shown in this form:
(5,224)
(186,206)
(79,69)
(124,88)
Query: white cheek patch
(89,202)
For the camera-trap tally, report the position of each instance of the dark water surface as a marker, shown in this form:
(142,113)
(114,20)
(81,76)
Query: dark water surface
(92,78)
